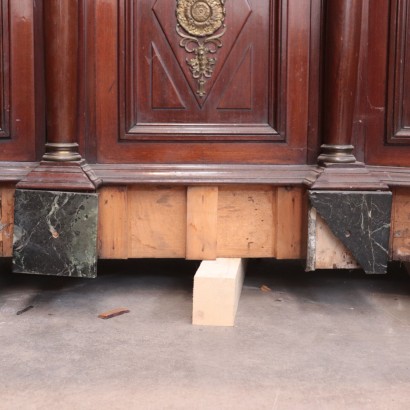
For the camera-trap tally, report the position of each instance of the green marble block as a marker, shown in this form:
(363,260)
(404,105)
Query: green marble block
(55,233)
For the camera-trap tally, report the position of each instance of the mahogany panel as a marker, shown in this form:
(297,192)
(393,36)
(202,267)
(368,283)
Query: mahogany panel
(315,86)
(384,114)
(398,121)
(4,72)
(61,69)
(163,100)
(343,20)
(146,109)
(18,29)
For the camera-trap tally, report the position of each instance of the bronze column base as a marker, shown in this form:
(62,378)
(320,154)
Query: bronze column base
(61,152)
(336,154)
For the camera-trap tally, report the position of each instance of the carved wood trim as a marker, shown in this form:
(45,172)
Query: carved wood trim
(191,174)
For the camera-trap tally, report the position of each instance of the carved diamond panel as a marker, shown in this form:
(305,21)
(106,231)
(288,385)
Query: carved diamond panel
(201,35)
(200,70)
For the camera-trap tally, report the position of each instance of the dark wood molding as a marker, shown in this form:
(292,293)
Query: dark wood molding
(391,176)
(353,178)
(342,46)
(359,178)
(74,176)
(15,171)
(192,174)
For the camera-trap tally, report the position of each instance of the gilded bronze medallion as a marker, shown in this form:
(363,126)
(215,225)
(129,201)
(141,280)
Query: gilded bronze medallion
(200,17)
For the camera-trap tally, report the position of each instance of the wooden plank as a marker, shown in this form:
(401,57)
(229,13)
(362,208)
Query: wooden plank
(291,223)
(217,289)
(245,222)
(202,215)
(6,220)
(113,313)
(400,225)
(113,223)
(157,222)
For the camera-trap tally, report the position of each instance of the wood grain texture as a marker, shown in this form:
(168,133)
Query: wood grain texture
(291,223)
(4,71)
(61,69)
(6,220)
(157,222)
(113,223)
(18,33)
(202,218)
(379,59)
(201,222)
(398,116)
(245,222)
(400,225)
(61,176)
(282,39)
(297,20)
(242,65)
(206,174)
(343,29)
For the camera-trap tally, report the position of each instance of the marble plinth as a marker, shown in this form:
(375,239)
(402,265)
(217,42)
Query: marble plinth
(361,221)
(55,233)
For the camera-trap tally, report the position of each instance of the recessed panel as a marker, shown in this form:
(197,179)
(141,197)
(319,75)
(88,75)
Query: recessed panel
(398,130)
(200,69)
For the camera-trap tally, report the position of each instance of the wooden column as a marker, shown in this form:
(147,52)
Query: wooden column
(61,67)
(62,167)
(342,44)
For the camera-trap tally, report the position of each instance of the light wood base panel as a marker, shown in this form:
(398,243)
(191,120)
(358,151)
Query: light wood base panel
(156,222)
(6,220)
(202,215)
(113,223)
(217,289)
(202,222)
(400,225)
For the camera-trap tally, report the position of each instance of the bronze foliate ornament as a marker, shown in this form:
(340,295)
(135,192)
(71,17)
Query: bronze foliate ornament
(198,24)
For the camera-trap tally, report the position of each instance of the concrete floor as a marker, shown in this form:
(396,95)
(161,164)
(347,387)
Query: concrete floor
(330,340)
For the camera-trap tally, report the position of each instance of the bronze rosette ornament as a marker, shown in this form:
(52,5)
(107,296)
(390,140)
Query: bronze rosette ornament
(198,24)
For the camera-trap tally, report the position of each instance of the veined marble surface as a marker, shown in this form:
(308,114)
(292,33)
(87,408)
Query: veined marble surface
(55,233)
(361,220)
